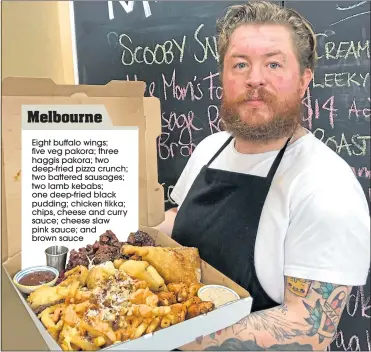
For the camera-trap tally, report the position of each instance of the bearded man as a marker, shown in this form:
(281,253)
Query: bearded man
(265,202)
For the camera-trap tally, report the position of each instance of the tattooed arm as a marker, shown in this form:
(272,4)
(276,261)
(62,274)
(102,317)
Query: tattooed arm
(306,321)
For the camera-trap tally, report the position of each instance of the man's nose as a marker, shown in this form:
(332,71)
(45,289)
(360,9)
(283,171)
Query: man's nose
(255,78)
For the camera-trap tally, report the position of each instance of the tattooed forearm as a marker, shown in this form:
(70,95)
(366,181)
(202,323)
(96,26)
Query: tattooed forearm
(306,321)
(298,287)
(275,322)
(234,344)
(324,315)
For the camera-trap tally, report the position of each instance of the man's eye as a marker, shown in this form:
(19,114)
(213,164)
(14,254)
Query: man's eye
(274,65)
(240,65)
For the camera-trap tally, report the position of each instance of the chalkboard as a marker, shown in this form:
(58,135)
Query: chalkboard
(172,47)
(337,110)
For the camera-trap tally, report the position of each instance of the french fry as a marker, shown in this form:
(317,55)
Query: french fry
(47,320)
(118,335)
(51,309)
(90,329)
(57,314)
(155,323)
(82,296)
(81,307)
(114,311)
(136,322)
(139,331)
(104,328)
(55,331)
(83,344)
(126,333)
(99,341)
(70,316)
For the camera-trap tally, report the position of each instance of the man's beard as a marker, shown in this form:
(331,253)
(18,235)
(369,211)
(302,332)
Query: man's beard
(285,117)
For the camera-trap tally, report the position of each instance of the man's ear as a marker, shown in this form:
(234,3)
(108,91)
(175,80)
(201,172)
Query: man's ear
(305,80)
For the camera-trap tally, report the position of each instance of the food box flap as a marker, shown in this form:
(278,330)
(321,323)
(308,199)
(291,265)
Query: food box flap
(45,87)
(125,105)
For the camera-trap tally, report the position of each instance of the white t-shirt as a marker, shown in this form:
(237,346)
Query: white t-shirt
(315,223)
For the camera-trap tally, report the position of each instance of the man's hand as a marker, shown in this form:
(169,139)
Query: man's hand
(167,225)
(307,321)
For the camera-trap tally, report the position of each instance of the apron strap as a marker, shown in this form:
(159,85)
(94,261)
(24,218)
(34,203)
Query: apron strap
(220,150)
(277,161)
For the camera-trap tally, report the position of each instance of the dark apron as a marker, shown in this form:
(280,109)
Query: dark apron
(220,216)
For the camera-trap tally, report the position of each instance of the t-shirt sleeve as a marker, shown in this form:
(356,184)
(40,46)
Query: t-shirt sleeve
(180,189)
(328,237)
(186,178)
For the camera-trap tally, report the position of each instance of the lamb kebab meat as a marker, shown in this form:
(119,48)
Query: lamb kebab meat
(107,248)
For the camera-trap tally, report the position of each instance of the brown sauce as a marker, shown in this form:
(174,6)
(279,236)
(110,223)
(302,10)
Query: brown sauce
(37,278)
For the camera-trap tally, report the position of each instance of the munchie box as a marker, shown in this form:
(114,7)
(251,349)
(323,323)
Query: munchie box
(126,106)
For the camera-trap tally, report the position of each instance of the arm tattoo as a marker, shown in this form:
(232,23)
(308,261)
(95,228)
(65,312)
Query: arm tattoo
(234,344)
(275,323)
(298,287)
(323,317)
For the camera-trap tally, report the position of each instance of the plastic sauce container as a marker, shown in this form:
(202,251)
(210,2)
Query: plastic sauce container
(219,295)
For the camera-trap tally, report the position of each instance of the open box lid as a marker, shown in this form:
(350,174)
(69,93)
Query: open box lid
(125,104)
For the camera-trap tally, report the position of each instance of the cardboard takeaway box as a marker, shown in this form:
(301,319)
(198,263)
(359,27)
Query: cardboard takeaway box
(126,106)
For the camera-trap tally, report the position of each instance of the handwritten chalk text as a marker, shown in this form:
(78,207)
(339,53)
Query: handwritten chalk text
(128,6)
(326,107)
(343,79)
(354,145)
(362,172)
(168,52)
(353,343)
(360,113)
(168,189)
(159,54)
(346,50)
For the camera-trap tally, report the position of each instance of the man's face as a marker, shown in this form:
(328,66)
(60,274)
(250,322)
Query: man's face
(262,83)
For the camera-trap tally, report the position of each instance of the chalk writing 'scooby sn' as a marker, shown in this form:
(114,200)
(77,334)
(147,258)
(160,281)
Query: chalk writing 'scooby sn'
(167,52)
